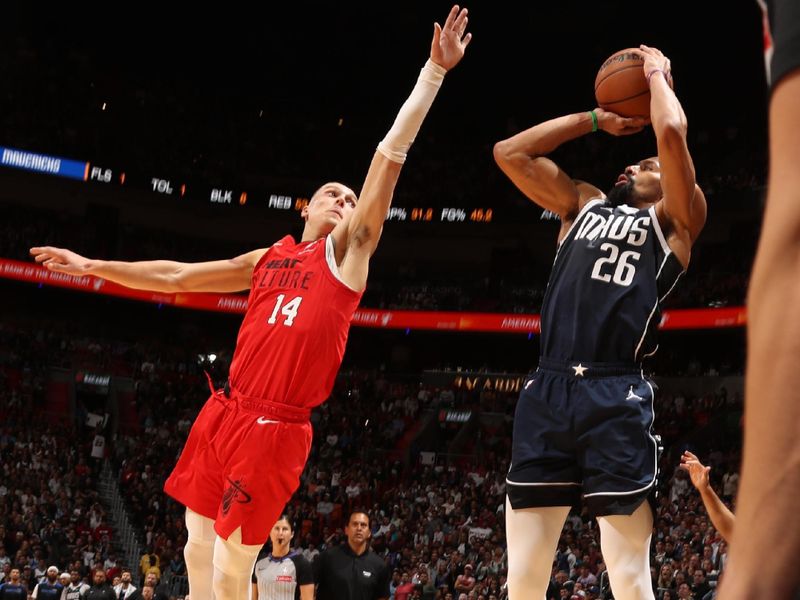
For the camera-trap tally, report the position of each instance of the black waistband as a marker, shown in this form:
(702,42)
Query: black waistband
(578,368)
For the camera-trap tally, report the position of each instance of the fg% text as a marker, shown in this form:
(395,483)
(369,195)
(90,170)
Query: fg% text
(445,215)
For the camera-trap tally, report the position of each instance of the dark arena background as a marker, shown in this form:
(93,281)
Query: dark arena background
(142,135)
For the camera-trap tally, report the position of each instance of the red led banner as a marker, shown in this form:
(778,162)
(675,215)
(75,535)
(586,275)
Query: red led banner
(695,318)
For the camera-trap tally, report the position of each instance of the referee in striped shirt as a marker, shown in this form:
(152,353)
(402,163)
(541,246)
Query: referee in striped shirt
(282,575)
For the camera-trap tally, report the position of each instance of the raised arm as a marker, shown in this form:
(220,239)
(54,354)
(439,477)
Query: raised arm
(683,203)
(356,243)
(720,515)
(231,275)
(522,158)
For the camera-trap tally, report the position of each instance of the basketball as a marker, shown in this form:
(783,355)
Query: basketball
(620,85)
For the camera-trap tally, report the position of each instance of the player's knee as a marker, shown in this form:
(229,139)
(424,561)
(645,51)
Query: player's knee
(233,565)
(525,573)
(199,546)
(629,581)
(521,566)
(230,560)
(199,529)
(632,590)
(197,551)
(627,574)
(234,558)
(232,587)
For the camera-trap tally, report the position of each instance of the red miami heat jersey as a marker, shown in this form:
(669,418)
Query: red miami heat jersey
(292,340)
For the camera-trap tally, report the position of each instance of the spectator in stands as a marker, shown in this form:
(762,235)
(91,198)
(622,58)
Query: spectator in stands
(325,508)
(730,484)
(403,591)
(466,581)
(586,578)
(126,590)
(148,560)
(110,564)
(177,565)
(160,591)
(155,568)
(679,486)
(395,582)
(427,590)
(684,592)
(28,577)
(310,552)
(700,586)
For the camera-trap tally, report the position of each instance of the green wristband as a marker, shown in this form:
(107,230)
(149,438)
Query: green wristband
(594,121)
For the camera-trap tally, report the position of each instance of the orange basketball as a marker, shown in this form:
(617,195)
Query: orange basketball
(620,85)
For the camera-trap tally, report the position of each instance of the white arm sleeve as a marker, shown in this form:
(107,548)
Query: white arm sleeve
(397,142)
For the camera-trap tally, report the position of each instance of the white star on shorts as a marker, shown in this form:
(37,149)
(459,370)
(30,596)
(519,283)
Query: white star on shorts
(579,370)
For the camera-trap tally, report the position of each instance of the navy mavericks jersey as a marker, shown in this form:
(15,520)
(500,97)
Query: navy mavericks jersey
(611,272)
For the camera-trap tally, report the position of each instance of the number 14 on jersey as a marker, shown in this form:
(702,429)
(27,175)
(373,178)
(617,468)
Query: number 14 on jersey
(288,310)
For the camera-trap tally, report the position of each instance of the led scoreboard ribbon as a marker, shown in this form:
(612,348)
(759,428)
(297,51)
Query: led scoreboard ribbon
(216,196)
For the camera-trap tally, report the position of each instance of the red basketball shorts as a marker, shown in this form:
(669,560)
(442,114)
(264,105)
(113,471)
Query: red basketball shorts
(241,464)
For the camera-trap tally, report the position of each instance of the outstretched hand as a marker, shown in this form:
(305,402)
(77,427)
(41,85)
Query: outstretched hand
(616,125)
(698,472)
(450,42)
(60,259)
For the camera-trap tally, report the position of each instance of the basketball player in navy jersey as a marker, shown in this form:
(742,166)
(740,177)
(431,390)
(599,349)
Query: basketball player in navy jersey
(767,524)
(302,298)
(582,428)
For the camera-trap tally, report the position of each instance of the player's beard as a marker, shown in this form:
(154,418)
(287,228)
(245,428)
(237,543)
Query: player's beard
(620,194)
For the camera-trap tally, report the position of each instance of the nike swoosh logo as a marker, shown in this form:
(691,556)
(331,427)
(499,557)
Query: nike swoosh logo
(264,421)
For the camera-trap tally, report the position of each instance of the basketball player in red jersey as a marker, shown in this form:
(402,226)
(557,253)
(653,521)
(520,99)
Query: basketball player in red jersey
(248,446)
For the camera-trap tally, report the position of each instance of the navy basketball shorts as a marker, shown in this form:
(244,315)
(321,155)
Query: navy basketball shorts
(583,430)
